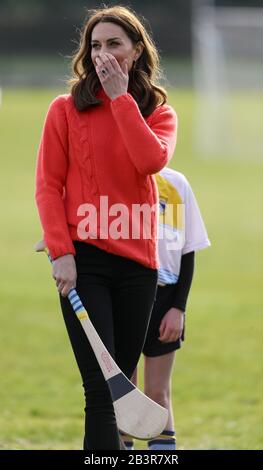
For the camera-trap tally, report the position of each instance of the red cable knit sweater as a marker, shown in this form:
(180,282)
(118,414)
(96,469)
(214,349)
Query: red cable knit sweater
(109,150)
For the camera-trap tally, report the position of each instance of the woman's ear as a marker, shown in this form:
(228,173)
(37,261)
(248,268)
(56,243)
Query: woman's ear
(138,50)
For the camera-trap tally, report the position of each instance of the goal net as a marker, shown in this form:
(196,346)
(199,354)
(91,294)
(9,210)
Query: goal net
(228,80)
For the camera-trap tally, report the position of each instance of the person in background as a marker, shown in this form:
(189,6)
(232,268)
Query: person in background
(181,234)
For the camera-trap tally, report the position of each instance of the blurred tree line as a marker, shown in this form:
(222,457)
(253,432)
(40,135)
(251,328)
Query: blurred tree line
(52,26)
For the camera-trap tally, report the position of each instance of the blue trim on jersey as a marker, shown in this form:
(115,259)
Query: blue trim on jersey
(167,277)
(168,227)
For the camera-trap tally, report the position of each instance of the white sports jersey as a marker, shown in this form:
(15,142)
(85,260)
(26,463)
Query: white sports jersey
(181,227)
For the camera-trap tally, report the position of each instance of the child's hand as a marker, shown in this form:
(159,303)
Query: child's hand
(172,325)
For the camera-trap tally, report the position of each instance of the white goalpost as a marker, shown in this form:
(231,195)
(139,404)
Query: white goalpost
(228,79)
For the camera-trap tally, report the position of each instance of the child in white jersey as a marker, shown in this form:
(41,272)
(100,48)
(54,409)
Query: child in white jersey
(181,234)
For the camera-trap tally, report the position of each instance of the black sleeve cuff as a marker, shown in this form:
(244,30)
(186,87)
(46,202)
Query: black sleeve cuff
(183,285)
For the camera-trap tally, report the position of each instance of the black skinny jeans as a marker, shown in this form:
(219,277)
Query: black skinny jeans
(118,295)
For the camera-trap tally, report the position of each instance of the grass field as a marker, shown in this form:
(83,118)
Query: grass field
(217,385)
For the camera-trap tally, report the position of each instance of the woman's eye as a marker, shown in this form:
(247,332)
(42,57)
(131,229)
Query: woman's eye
(96,46)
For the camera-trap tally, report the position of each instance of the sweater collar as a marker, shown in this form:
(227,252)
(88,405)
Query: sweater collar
(102,95)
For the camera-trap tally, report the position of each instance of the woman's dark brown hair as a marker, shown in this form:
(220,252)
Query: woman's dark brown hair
(85,82)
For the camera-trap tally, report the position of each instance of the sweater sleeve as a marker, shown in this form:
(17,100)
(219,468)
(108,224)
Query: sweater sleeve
(51,173)
(150,146)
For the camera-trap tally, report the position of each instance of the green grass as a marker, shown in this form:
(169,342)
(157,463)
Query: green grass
(217,385)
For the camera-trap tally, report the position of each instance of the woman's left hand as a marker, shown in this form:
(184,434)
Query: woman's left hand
(113,77)
(172,325)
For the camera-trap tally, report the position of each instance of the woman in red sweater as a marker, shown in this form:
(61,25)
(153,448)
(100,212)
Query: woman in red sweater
(97,198)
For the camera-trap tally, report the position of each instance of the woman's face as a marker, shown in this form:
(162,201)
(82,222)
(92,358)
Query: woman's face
(112,39)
